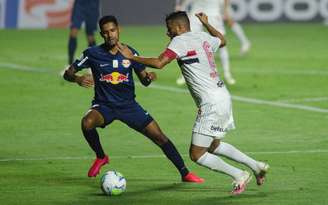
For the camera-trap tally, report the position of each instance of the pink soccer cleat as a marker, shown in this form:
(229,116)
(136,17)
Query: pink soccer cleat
(239,185)
(97,164)
(260,177)
(191,177)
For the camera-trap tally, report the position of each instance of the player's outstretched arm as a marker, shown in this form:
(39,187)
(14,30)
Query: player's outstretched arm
(85,80)
(158,62)
(204,19)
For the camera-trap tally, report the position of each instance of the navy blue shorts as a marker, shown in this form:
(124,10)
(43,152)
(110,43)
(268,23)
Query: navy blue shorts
(132,115)
(85,11)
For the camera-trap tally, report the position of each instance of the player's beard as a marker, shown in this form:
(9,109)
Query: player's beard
(111,43)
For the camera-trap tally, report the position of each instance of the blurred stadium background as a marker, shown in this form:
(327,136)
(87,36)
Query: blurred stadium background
(56,13)
(280,106)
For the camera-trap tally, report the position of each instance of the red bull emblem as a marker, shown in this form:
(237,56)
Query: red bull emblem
(115,78)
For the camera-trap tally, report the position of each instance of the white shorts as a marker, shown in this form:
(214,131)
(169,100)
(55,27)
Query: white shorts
(214,120)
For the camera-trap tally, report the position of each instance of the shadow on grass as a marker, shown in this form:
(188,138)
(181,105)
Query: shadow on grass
(155,192)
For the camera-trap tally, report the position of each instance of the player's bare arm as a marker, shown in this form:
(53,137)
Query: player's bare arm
(204,20)
(85,80)
(146,77)
(158,62)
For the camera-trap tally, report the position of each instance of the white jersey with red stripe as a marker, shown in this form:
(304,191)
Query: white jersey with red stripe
(194,52)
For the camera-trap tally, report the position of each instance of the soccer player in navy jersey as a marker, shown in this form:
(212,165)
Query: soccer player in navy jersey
(115,97)
(83,11)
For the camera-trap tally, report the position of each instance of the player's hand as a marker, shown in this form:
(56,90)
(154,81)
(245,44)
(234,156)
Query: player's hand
(152,76)
(85,80)
(124,50)
(202,17)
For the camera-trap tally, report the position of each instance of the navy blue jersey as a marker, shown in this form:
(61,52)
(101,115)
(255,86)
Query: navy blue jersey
(112,75)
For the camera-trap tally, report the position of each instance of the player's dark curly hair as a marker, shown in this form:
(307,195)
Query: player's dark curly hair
(180,16)
(107,19)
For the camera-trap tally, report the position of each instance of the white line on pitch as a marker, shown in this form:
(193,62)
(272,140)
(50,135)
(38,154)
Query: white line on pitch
(249,100)
(13,66)
(319,151)
(180,90)
(287,72)
(316,99)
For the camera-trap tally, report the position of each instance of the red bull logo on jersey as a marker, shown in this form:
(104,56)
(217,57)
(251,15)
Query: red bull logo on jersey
(115,78)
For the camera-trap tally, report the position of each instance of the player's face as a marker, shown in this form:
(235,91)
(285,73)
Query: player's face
(172,29)
(110,33)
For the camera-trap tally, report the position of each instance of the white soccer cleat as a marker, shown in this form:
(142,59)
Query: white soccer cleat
(181,80)
(240,184)
(260,176)
(229,79)
(245,48)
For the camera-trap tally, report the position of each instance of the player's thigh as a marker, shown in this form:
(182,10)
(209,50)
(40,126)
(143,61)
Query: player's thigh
(201,140)
(104,115)
(92,119)
(199,145)
(135,117)
(77,16)
(91,18)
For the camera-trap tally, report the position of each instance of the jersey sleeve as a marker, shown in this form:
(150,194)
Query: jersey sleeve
(83,62)
(138,67)
(176,47)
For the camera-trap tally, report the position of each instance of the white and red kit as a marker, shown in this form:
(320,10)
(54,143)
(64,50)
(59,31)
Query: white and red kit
(194,52)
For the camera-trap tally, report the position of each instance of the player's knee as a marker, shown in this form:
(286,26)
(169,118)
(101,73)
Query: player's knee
(87,123)
(213,146)
(196,152)
(155,134)
(194,156)
(74,32)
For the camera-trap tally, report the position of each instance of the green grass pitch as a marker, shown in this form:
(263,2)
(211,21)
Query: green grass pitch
(280,108)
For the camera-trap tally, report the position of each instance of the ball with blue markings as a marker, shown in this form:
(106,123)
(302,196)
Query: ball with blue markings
(113,183)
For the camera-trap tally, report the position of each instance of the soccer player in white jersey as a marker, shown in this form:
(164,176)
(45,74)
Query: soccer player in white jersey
(194,52)
(218,11)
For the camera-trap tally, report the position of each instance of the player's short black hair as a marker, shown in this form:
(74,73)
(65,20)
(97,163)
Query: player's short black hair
(180,16)
(107,19)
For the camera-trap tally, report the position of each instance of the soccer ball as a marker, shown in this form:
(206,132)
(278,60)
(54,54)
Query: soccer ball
(113,183)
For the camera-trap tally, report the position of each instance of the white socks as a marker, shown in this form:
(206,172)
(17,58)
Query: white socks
(215,163)
(238,30)
(233,153)
(224,56)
